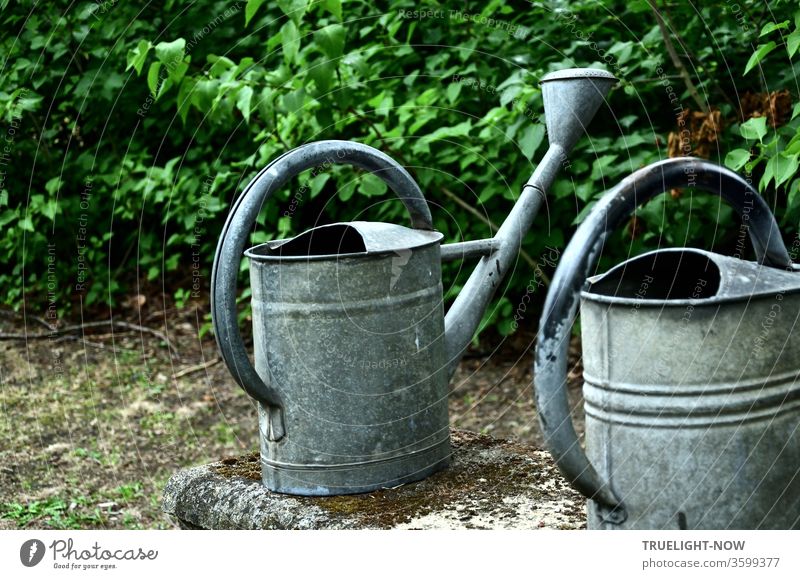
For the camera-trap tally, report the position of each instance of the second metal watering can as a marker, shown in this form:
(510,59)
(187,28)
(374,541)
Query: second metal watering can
(353,353)
(691,370)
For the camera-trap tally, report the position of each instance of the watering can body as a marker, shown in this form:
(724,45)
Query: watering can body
(359,360)
(692,379)
(692,391)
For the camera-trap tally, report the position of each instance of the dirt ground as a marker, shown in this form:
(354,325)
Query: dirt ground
(91,428)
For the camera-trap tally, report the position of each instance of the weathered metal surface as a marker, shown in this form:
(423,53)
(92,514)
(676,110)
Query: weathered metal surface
(491,484)
(354,343)
(334,311)
(241,220)
(571,98)
(692,410)
(469,249)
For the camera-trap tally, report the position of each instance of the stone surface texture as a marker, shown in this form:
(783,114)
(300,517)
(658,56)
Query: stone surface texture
(490,484)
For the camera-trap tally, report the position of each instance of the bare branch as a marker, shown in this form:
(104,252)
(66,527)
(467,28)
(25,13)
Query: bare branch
(81,327)
(673,54)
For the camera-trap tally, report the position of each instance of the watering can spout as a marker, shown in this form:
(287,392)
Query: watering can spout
(571,99)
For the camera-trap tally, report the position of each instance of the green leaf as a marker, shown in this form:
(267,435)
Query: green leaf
(601,168)
(171,53)
(769,173)
(204,94)
(138,55)
(177,72)
(793,146)
(153,77)
(251,9)
(294,101)
(294,9)
(243,65)
(165,86)
(762,51)
(52,185)
(510,93)
(50,208)
(459,130)
(290,41)
(7,217)
(375,101)
(243,100)
(26,224)
(736,159)
(793,198)
(754,128)
(531,138)
(322,73)
(785,169)
(772,26)
(318,182)
(372,186)
(334,7)
(753,163)
(346,191)
(331,40)
(185,98)
(385,106)
(583,213)
(793,42)
(452,92)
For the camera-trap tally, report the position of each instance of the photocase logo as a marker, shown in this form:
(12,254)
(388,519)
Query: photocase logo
(31,553)
(399,260)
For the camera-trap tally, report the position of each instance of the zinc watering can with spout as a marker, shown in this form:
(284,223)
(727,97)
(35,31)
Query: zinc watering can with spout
(353,352)
(691,369)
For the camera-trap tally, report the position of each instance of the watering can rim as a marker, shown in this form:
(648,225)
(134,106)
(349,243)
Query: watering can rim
(421,239)
(578,74)
(720,298)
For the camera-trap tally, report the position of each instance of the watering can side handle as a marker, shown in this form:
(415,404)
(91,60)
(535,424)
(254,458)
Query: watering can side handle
(578,263)
(240,222)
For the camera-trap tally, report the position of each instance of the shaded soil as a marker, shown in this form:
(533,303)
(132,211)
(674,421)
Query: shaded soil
(90,430)
(492,391)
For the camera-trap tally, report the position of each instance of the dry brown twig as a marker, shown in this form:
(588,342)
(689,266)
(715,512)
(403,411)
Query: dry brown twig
(197,367)
(53,331)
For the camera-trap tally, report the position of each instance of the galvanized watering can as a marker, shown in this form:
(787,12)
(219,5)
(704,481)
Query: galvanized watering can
(353,352)
(691,372)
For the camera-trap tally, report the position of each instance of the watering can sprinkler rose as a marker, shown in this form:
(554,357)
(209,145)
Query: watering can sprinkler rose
(353,351)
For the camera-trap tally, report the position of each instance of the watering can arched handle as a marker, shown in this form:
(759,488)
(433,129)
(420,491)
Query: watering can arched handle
(240,223)
(577,264)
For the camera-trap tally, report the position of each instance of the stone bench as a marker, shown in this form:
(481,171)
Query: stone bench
(490,484)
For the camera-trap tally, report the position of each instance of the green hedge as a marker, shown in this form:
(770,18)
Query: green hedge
(130,127)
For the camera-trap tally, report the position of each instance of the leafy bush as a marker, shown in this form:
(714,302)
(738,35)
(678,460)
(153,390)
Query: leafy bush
(134,127)
(774,142)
